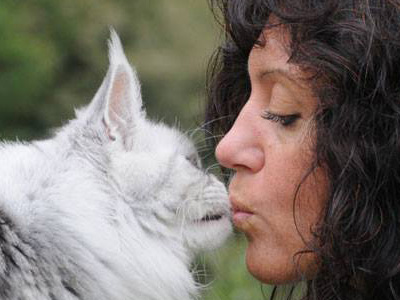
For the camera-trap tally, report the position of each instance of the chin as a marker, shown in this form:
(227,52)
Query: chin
(267,273)
(276,268)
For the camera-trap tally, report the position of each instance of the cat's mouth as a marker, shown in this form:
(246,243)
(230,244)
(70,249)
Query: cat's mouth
(211,217)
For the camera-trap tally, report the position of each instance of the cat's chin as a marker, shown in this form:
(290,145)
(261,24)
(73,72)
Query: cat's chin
(210,232)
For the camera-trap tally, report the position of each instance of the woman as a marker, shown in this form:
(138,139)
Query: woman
(307,95)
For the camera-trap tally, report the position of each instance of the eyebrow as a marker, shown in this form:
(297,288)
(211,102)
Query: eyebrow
(281,72)
(284,73)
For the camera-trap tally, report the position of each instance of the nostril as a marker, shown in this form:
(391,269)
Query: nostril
(237,155)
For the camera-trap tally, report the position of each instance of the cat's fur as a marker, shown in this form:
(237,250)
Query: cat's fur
(113,207)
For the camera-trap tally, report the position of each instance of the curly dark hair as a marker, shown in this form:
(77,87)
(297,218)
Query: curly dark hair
(352,48)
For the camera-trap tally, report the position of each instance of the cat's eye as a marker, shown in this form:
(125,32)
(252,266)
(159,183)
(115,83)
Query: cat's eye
(194,160)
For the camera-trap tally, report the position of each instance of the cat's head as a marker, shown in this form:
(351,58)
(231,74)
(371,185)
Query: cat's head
(154,168)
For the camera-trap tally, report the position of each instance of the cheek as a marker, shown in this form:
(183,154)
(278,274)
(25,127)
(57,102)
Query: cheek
(278,182)
(286,215)
(311,200)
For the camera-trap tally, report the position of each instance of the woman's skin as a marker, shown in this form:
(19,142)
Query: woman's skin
(270,156)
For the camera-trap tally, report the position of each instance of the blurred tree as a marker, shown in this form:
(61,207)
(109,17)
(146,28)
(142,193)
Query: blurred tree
(53,56)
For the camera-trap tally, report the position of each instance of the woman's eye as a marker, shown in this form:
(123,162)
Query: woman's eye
(284,120)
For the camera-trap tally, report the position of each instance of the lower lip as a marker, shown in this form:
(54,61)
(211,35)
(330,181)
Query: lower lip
(241,216)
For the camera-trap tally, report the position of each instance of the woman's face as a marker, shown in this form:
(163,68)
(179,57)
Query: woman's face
(270,148)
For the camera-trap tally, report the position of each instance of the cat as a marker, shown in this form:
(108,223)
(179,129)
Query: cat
(114,206)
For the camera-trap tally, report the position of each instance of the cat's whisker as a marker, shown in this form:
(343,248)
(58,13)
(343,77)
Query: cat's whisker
(205,152)
(182,214)
(215,166)
(193,132)
(203,148)
(211,167)
(214,120)
(226,174)
(204,141)
(184,209)
(206,156)
(210,137)
(209,134)
(213,137)
(177,123)
(203,126)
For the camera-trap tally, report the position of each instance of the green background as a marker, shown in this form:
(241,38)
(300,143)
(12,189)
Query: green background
(53,56)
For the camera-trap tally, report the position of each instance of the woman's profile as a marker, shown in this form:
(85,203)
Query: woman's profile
(307,96)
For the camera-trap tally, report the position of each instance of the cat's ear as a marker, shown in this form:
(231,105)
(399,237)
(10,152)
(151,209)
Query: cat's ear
(118,102)
(123,96)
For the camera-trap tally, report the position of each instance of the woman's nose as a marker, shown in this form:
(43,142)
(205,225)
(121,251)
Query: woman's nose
(240,147)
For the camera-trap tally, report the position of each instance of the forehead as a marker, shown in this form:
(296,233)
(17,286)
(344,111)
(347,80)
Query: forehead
(272,58)
(160,137)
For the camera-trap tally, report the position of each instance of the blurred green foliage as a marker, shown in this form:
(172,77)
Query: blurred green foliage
(53,56)
(229,279)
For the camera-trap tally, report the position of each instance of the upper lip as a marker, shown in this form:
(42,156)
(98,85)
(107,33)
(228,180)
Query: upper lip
(238,206)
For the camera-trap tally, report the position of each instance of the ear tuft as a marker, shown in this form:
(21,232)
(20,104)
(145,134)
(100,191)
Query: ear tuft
(116,53)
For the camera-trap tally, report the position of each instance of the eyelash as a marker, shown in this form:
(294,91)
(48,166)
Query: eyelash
(283,120)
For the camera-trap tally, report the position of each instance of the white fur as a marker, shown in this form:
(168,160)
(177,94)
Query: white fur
(111,205)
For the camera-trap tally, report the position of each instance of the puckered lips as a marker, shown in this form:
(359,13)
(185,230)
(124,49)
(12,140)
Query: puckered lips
(240,212)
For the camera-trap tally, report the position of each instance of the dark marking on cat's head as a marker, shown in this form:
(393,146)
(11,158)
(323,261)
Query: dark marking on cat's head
(115,222)
(5,220)
(106,264)
(5,287)
(52,296)
(70,289)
